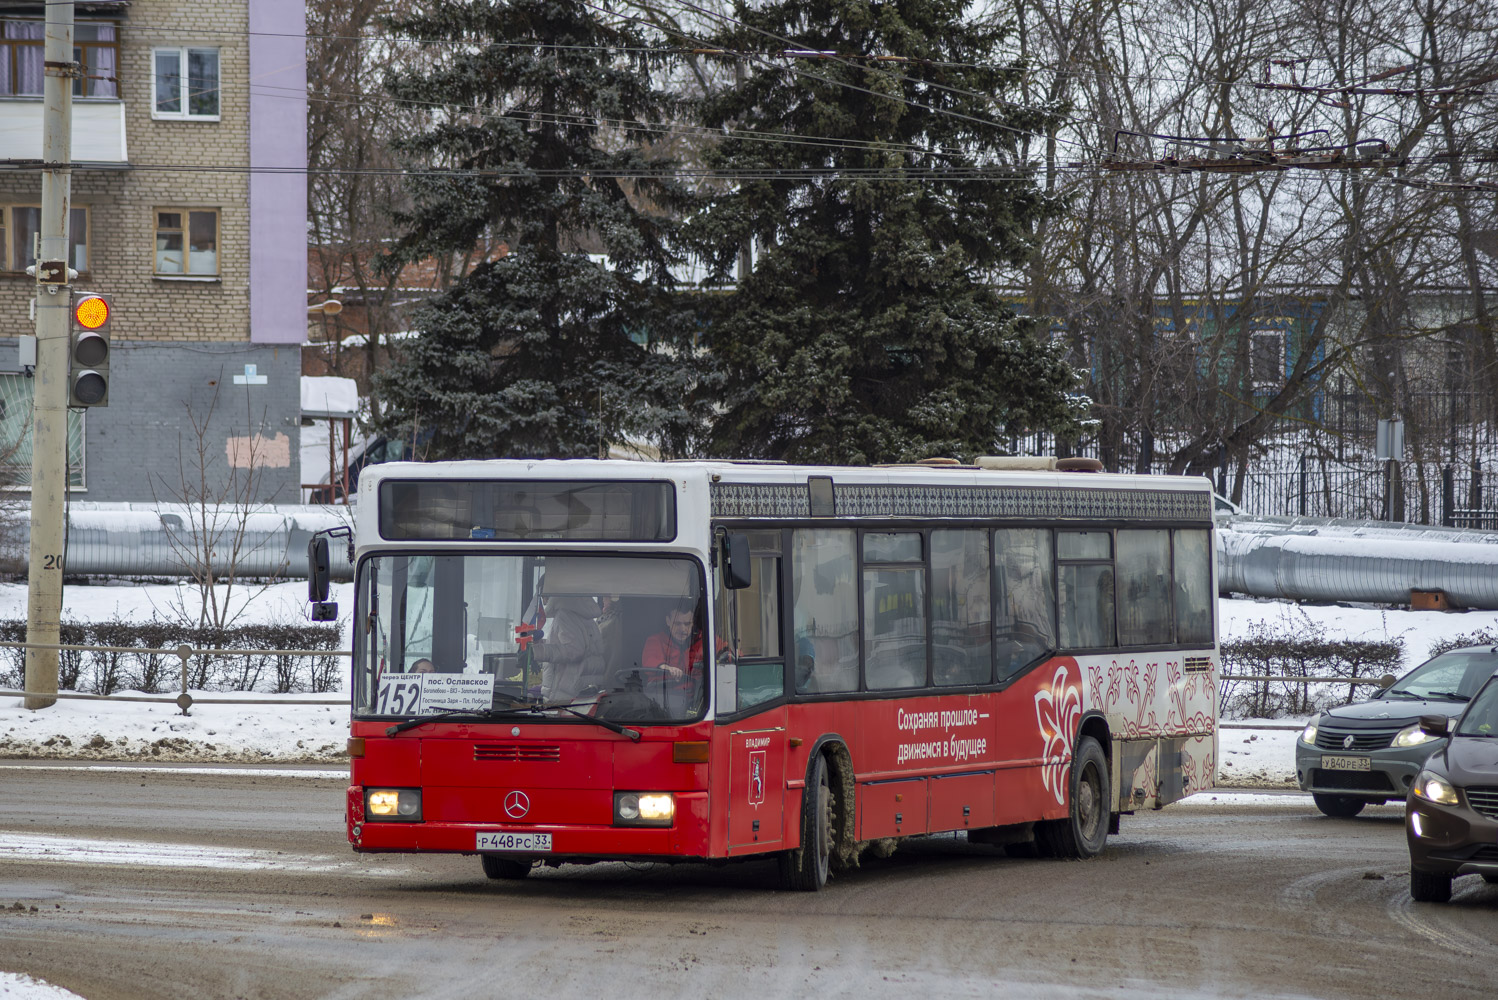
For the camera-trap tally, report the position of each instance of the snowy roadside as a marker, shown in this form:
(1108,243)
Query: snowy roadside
(16,985)
(287,732)
(292,731)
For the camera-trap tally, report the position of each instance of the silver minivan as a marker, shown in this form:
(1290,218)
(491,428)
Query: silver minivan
(1369,752)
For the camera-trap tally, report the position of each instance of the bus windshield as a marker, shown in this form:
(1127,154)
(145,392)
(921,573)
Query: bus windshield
(616,637)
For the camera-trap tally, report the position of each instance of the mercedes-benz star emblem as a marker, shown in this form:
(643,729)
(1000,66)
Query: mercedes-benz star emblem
(1347,742)
(517,804)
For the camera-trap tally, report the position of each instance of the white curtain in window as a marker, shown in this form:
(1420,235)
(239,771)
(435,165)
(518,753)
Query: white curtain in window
(29,58)
(102,66)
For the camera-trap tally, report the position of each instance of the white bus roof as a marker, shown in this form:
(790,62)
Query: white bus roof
(721,471)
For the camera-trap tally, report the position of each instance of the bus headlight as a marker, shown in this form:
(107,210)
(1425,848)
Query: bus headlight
(644,808)
(400,805)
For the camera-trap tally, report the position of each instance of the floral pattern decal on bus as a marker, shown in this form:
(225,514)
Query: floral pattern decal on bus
(1127,693)
(1058,709)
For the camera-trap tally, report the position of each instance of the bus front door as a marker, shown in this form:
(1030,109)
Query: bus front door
(756,804)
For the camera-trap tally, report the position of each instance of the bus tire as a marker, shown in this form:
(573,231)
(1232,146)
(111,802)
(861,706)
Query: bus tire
(1084,831)
(806,868)
(496,866)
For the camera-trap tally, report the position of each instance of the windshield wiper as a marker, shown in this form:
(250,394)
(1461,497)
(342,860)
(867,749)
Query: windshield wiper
(1449,695)
(609,724)
(457,713)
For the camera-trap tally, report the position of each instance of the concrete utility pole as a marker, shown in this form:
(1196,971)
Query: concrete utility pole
(49,424)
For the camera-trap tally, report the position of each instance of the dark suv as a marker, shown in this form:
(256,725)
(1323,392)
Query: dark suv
(1369,752)
(1452,818)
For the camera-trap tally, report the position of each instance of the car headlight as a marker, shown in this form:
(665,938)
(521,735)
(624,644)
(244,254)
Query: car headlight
(1434,788)
(644,808)
(1308,734)
(1412,736)
(396,805)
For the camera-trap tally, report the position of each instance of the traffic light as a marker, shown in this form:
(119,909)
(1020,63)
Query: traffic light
(88,355)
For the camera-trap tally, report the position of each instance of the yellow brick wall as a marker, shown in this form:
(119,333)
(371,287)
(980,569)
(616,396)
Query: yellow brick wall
(122,202)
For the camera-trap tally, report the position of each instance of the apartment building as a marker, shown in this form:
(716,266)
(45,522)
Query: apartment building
(189,210)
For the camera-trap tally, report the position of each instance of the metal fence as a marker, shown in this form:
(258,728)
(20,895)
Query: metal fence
(1322,462)
(186,655)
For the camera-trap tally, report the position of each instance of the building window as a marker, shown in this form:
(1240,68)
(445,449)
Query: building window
(187,241)
(96,48)
(19,225)
(15,435)
(1266,361)
(185,84)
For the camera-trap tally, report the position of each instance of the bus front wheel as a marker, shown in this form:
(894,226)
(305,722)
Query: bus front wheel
(1084,831)
(496,866)
(805,869)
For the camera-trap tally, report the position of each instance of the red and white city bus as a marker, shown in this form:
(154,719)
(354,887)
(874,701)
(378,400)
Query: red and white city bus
(573,661)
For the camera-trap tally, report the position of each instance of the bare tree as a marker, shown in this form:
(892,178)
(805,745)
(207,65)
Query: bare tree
(212,531)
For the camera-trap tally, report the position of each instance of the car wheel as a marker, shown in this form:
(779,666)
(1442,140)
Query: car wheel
(499,867)
(1084,831)
(805,869)
(1340,806)
(1428,888)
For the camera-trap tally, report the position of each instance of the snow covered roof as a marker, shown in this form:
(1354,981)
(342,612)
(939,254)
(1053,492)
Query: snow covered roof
(329,396)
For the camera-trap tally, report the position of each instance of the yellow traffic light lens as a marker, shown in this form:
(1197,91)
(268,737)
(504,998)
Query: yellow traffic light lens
(91,313)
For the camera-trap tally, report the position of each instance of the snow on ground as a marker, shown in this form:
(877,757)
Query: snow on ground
(296,728)
(1418,630)
(14,985)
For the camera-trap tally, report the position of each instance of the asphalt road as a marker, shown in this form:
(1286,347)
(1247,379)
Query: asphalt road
(135,883)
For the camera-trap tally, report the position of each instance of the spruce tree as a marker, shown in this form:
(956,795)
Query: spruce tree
(538,112)
(869,329)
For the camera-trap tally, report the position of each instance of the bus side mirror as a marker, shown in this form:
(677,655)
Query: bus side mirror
(319,569)
(738,567)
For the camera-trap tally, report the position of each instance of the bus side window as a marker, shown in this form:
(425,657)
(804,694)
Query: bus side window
(1144,587)
(1193,587)
(961,613)
(824,609)
(1085,596)
(1024,617)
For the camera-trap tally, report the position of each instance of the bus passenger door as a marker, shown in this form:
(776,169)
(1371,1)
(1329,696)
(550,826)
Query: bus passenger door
(750,671)
(756,785)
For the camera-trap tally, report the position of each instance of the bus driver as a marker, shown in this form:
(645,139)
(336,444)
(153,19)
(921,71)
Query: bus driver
(677,653)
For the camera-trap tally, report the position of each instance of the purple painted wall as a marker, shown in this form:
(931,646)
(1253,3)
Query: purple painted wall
(278,201)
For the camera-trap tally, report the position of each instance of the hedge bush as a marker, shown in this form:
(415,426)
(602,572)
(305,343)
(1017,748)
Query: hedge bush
(1300,649)
(154,667)
(1482,637)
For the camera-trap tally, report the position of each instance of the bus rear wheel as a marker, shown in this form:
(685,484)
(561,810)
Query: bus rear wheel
(496,866)
(805,869)
(1084,831)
